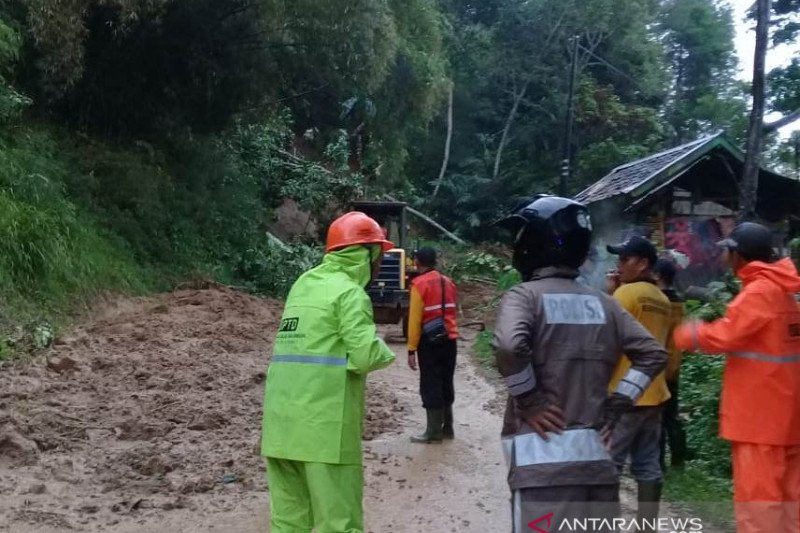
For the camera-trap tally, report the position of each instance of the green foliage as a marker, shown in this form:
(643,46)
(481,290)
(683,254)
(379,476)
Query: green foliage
(204,204)
(695,492)
(784,87)
(11,102)
(701,382)
(258,267)
(241,58)
(698,38)
(786,19)
(482,349)
(508,279)
(786,155)
(52,254)
(623,132)
(794,251)
(478,263)
(719,294)
(510,74)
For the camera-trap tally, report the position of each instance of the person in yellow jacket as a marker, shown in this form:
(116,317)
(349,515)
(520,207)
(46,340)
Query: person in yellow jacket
(638,433)
(672,431)
(314,394)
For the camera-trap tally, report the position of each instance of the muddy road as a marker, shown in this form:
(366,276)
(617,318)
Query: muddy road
(146,417)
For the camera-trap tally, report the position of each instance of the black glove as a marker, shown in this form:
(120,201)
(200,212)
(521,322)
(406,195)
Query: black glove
(614,407)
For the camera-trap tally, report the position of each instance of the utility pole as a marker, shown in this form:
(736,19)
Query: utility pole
(566,170)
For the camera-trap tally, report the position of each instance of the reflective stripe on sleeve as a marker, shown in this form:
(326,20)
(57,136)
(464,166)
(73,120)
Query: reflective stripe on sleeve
(633,384)
(521,382)
(508,449)
(310,359)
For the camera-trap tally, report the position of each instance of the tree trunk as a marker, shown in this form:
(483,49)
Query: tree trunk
(747,201)
(678,119)
(446,142)
(504,138)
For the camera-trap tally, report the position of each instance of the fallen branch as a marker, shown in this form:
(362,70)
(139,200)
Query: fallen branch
(781,122)
(485,281)
(279,243)
(429,220)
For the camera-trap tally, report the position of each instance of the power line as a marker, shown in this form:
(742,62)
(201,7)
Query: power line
(612,67)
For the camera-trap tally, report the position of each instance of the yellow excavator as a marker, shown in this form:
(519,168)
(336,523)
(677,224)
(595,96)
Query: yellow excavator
(389,291)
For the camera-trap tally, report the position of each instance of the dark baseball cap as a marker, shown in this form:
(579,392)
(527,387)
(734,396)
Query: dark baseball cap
(426,256)
(636,246)
(666,270)
(750,240)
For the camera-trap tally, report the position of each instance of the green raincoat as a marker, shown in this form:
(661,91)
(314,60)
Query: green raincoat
(326,345)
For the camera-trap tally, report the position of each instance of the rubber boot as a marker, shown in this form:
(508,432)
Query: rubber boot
(447,426)
(649,496)
(433,432)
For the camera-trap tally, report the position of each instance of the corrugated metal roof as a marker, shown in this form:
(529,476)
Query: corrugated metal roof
(625,178)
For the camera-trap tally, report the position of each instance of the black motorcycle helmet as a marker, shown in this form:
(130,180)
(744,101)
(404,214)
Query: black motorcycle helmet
(549,231)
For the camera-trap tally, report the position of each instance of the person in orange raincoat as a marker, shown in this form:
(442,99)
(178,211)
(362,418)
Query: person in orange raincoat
(760,405)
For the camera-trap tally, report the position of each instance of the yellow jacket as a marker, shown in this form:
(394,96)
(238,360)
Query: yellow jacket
(675,354)
(653,310)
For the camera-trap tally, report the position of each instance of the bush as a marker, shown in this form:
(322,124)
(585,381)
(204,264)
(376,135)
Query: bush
(273,269)
(482,348)
(700,389)
(53,255)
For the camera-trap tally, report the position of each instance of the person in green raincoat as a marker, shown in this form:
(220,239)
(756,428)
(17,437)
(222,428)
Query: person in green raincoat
(314,394)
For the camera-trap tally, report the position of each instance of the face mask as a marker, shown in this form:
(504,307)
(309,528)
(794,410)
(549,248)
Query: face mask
(375,256)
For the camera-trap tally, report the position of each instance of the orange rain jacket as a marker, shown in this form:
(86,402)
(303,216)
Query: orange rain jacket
(761,334)
(426,304)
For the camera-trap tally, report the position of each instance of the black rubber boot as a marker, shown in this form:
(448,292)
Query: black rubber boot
(649,497)
(447,426)
(433,432)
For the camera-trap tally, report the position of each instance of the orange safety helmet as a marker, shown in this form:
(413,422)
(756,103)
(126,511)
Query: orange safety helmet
(355,228)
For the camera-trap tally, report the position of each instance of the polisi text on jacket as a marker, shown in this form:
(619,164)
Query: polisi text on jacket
(573,309)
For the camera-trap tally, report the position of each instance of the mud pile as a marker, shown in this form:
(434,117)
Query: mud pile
(478,301)
(150,404)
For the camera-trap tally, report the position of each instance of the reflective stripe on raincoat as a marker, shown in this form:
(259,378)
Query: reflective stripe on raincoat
(760,332)
(327,343)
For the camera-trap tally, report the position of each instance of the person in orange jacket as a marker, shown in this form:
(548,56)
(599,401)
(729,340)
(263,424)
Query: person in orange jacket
(760,405)
(432,334)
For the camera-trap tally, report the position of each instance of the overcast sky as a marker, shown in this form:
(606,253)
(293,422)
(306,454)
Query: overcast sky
(745,45)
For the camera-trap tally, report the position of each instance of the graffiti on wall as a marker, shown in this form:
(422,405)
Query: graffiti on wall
(698,238)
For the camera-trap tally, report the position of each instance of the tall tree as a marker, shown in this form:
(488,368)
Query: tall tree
(783,83)
(747,202)
(698,42)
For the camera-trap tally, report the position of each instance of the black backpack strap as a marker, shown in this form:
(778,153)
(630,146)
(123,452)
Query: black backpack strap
(441,280)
